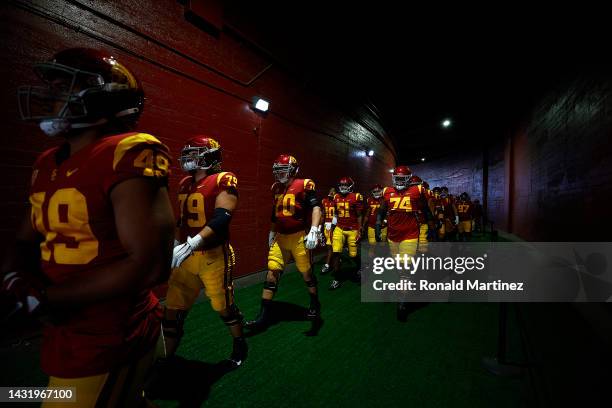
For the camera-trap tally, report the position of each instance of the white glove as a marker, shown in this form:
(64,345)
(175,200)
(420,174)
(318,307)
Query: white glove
(335,220)
(271,238)
(312,239)
(176,243)
(456,220)
(183,251)
(328,225)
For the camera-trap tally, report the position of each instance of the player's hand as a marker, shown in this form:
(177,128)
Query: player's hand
(176,243)
(183,251)
(20,294)
(456,220)
(358,237)
(271,238)
(312,238)
(328,226)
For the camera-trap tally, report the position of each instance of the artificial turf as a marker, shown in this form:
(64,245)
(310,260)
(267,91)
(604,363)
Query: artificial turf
(361,356)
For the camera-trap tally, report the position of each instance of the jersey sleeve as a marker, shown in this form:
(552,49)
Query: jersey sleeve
(139,155)
(227,181)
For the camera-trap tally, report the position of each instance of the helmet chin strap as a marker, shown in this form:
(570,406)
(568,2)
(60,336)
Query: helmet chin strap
(56,127)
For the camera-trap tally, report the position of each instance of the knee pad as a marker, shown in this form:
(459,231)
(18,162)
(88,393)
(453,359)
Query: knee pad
(174,328)
(234,317)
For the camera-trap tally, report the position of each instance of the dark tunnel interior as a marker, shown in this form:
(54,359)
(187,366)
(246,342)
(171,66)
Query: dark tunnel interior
(512,108)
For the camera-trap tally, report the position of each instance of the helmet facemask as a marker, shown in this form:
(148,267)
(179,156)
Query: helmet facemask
(377,193)
(199,158)
(400,181)
(345,188)
(283,172)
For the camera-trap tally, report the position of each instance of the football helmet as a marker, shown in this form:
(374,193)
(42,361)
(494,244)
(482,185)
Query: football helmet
(401,176)
(436,191)
(464,196)
(200,153)
(82,88)
(444,192)
(332,193)
(345,185)
(426,185)
(285,167)
(377,191)
(415,180)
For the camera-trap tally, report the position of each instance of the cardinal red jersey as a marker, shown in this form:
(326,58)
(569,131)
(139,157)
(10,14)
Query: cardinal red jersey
(465,210)
(290,213)
(348,208)
(373,204)
(447,206)
(329,209)
(403,207)
(197,200)
(72,210)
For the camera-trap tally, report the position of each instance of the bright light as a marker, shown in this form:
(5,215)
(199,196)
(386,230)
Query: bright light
(446,123)
(261,104)
(390,170)
(370,153)
(422,159)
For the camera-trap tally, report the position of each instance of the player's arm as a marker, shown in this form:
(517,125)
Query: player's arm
(217,229)
(24,249)
(145,225)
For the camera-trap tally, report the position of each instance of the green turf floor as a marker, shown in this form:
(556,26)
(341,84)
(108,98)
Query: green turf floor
(362,356)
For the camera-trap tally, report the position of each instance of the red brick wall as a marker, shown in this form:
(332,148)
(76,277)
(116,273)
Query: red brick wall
(194,83)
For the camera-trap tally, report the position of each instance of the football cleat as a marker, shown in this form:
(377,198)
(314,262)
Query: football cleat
(240,351)
(324,269)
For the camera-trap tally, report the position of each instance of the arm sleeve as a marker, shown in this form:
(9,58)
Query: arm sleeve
(147,159)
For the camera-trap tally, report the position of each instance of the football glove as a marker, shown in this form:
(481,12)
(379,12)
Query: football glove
(312,238)
(456,220)
(21,295)
(328,226)
(183,251)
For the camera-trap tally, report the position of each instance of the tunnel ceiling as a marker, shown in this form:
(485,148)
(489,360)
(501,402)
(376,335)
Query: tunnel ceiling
(414,67)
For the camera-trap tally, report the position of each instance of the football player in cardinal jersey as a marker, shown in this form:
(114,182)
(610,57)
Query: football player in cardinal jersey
(295,208)
(101,215)
(449,211)
(465,212)
(372,205)
(349,222)
(329,210)
(403,206)
(424,214)
(203,257)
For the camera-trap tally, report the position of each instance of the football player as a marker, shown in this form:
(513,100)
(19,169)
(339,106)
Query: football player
(295,202)
(465,212)
(329,209)
(349,221)
(424,213)
(403,205)
(100,213)
(203,257)
(369,223)
(451,219)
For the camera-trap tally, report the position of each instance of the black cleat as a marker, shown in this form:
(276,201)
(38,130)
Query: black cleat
(324,269)
(240,351)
